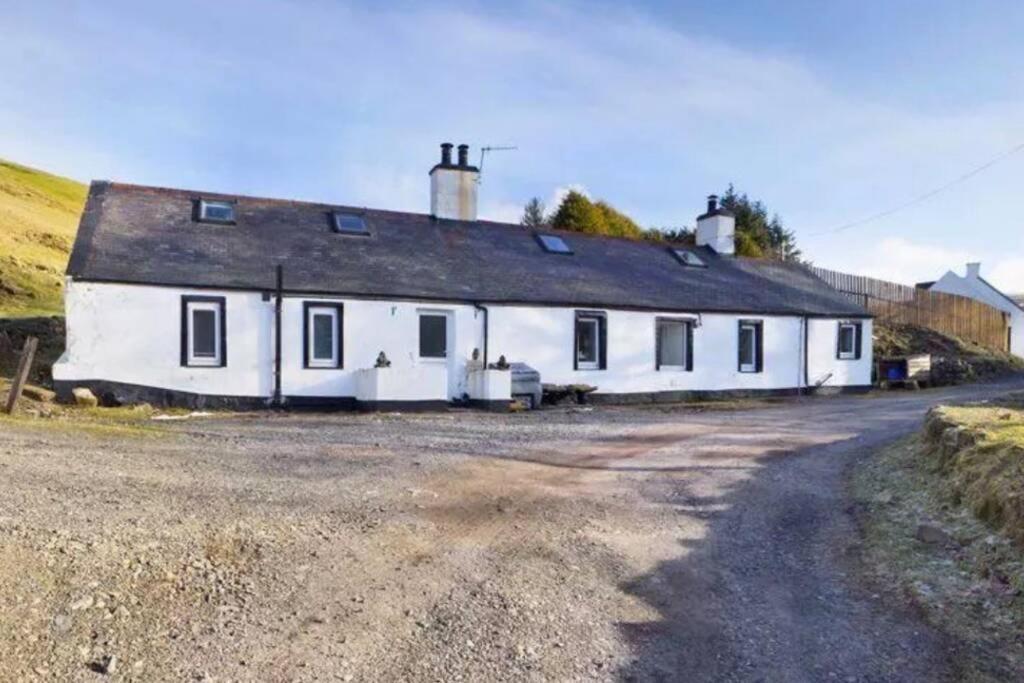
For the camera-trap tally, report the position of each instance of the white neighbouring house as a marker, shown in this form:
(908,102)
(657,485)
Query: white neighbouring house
(173,297)
(974,286)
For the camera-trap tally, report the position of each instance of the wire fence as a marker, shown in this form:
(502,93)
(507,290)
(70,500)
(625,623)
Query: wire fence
(951,314)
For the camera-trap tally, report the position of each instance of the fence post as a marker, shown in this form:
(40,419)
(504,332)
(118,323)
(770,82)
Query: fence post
(21,375)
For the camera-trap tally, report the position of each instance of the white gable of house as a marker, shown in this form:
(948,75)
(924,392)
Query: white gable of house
(951,283)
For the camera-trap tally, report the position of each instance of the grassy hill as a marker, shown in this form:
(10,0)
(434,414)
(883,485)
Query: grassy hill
(38,218)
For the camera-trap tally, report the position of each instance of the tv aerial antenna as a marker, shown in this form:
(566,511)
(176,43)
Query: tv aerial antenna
(492,148)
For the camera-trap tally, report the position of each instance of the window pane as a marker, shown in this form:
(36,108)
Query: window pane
(349,222)
(688,258)
(846,339)
(554,244)
(323,336)
(204,333)
(671,341)
(218,211)
(433,336)
(747,345)
(586,340)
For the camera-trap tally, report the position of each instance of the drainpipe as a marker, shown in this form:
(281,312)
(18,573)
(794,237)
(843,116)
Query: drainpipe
(278,399)
(486,326)
(805,370)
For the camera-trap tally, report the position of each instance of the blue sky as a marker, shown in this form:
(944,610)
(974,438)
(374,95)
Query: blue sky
(827,111)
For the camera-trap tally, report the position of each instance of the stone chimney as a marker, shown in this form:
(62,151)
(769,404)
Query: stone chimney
(716,228)
(453,187)
(973,271)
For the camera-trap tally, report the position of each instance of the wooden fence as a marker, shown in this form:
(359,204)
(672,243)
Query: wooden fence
(952,314)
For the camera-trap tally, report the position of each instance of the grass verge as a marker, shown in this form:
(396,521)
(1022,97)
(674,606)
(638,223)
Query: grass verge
(979,450)
(966,577)
(126,421)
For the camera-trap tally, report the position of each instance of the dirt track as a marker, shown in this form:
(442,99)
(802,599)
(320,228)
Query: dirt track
(615,544)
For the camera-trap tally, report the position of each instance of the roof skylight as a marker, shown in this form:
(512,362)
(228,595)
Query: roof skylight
(688,258)
(348,223)
(553,244)
(212,211)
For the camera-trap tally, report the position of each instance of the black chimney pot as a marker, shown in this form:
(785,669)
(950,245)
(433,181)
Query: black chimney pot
(463,155)
(446,153)
(712,203)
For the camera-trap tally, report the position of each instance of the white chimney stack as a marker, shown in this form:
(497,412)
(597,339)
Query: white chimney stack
(453,187)
(717,228)
(973,271)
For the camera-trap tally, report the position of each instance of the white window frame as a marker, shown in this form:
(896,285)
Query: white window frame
(852,353)
(204,206)
(586,364)
(659,347)
(752,365)
(312,361)
(218,331)
(447,337)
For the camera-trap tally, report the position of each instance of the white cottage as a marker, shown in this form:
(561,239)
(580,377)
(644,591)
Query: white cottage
(974,286)
(202,299)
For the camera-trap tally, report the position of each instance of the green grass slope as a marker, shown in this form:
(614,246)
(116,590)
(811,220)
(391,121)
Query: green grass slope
(39,215)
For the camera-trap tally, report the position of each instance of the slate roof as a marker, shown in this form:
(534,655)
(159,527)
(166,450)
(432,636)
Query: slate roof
(146,235)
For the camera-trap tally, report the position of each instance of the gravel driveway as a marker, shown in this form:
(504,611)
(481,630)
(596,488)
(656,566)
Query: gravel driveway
(617,543)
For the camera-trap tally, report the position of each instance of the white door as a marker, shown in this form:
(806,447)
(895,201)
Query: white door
(437,344)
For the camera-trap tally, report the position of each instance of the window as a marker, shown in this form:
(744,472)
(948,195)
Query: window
(553,244)
(849,341)
(673,344)
(688,258)
(433,335)
(751,341)
(349,223)
(216,211)
(203,338)
(322,335)
(591,341)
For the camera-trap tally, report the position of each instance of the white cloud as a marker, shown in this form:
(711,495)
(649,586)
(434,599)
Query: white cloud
(558,195)
(1007,275)
(900,260)
(501,212)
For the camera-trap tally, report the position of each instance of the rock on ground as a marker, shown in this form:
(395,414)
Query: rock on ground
(84,397)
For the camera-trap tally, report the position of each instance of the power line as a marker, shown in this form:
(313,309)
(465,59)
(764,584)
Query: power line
(923,197)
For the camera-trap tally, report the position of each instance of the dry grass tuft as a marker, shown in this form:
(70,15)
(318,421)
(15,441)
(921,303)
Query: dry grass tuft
(971,587)
(980,450)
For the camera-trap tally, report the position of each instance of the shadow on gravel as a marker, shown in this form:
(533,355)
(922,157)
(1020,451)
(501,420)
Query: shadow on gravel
(691,640)
(764,594)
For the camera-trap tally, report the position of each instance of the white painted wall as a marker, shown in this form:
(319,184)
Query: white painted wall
(369,328)
(131,334)
(822,364)
(543,338)
(488,385)
(970,286)
(420,383)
